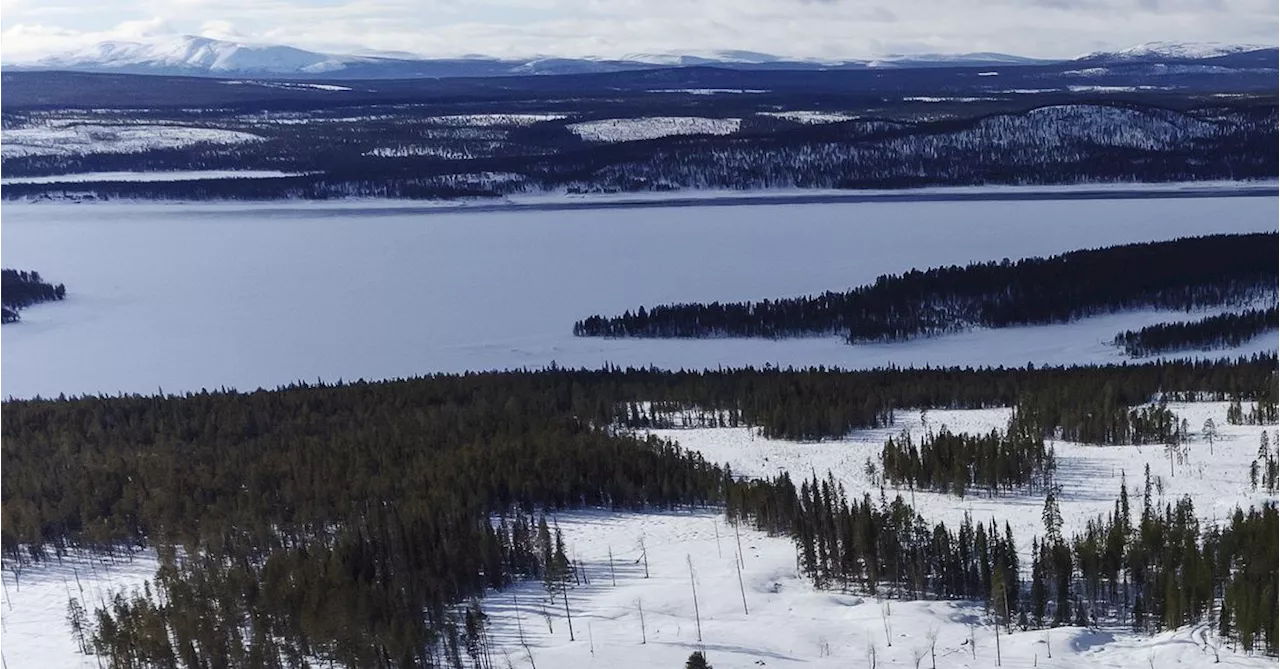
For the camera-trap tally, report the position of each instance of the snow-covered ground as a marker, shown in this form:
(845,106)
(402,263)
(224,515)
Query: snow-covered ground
(184,175)
(652,127)
(786,622)
(186,297)
(811,117)
(1089,474)
(34,610)
(88,138)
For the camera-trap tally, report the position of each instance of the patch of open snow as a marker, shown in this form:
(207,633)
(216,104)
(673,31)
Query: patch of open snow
(652,127)
(486,120)
(290,85)
(708,91)
(945,99)
(34,610)
(186,175)
(988,74)
(89,138)
(811,117)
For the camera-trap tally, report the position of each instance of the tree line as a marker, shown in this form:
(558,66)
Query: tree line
(1209,333)
(22,288)
(1181,274)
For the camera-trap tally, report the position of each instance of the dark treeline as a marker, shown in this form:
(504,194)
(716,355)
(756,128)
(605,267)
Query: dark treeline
(21,289)
(1182,274)
(1084,404)
(1265,411)
(947,462)
(1206,334)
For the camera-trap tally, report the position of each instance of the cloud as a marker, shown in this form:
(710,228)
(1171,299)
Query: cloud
(613,28)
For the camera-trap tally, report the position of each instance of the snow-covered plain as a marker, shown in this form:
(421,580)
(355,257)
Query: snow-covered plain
(183,175)
(652,127)
(89,138)
(180,297)
(811,117)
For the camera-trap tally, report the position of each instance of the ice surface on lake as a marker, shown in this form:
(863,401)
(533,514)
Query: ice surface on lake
(183,297)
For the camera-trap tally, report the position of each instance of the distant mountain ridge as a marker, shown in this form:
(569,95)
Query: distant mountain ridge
(202,56)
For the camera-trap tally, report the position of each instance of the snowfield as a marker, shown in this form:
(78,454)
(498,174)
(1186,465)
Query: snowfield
(486,120)
(88,138)
(185,175)
(811,117)
(633,129)
(184,297)
(1088,474)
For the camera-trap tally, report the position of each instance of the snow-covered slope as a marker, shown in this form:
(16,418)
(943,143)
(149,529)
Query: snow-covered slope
(1173,50)
(190,53)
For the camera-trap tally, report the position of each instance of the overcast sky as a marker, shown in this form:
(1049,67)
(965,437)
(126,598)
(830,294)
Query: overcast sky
(611,28)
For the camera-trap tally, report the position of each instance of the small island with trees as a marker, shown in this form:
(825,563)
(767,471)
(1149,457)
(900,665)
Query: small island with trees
(1183,274)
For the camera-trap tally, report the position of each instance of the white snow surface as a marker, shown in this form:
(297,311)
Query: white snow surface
(184,297)
(87,138)
(486,120)
(184,175)
(652,127)
(34,610)
(811,117)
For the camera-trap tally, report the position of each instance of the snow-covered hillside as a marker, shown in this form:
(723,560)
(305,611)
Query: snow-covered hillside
(188,52)
(88,138)
(1173,50)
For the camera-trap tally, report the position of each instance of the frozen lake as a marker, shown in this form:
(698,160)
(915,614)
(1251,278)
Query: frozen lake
(183,297)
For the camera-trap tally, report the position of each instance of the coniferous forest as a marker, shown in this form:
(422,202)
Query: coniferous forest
(357,524)
(1181,274)
(22,289)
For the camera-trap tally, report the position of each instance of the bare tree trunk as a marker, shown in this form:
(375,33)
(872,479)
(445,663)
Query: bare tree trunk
(568,617)
(644,637)
(697,617)
(612,576)
(742,589)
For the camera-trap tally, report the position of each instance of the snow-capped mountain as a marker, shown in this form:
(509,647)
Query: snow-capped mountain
(1173,51)
(192,54)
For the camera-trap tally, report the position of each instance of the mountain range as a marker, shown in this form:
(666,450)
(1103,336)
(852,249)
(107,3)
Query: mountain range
(202,56)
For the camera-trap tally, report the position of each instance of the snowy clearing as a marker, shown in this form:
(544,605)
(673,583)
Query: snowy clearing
(189,175)
(87,138)
(1089,474)
(709,91)
(632,129)
(811,117)
(486,120)
(150,284)
(787,623)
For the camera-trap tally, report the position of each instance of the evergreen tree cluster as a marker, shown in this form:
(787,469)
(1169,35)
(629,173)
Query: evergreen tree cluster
(887,549)
(1264,411)
(954,463)
(1181,274)
(1209,333)
(21,289)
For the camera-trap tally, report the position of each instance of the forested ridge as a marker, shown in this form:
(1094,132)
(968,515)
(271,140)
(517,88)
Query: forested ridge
(1209,333)
(1181,274)
(353,522)
(21,289)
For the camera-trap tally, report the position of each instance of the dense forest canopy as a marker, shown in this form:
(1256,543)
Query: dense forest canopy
(21,289)
(1181,274)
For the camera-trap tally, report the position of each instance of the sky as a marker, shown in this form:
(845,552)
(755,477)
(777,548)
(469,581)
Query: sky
(828,29)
